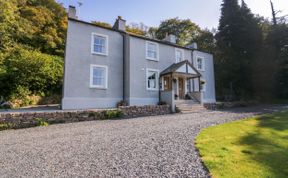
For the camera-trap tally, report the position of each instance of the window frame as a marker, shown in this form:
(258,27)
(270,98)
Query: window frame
(105,86)
(157,51)
(106,44)
(182,51)
(157,79)
(203,63)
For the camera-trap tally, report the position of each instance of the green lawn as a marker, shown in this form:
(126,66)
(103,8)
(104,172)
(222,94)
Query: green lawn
(254,147)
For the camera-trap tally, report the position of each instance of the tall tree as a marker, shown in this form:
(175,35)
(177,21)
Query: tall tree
(238,40)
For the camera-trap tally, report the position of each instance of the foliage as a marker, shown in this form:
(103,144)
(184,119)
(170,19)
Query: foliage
(111,114)
(6,126)
(32,41)
(41,122)
(29,72)
(239,39)
(184,30)
(136,31)
(102,24)
(254,147)
(205,41)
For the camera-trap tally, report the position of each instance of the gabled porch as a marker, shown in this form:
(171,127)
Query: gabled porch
(178,84)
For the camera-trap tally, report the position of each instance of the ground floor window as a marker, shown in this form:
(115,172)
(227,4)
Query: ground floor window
(98,76)
(152,79)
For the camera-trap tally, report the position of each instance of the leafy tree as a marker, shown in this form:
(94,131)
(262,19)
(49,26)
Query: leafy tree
(184,30)
(205,41)
(32,42)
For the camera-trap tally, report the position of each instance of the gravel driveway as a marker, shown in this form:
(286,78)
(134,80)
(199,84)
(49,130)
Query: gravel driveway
(161,146)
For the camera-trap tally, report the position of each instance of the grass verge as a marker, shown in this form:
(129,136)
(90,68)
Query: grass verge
(254,147)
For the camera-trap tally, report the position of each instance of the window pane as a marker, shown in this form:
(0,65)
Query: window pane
(99,76)
(178,56)
(152,50)
(199,63)
(152,80)
(99,44)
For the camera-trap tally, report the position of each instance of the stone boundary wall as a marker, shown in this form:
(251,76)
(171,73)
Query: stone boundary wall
(30,119)
(151,110)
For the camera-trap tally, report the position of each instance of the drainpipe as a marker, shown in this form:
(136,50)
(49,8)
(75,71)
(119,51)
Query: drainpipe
(124,35)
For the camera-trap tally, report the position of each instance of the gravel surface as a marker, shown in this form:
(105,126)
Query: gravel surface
(160,146)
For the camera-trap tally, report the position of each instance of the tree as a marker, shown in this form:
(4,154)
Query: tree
(205,41)
(32,42)
(239,39)
(184,30)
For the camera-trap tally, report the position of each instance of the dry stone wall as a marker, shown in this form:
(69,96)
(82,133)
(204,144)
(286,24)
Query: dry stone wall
(30,119)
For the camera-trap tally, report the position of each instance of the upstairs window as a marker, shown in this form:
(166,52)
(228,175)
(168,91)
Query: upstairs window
(99,44)
(200,63)
(179,54)
(152,51)
(98,76)
(152,79)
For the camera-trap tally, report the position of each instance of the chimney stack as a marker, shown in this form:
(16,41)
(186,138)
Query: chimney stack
(72,12)
(170,38)
(120,24)
(193,46)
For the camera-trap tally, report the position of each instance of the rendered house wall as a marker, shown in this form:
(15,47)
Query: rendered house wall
(77,92)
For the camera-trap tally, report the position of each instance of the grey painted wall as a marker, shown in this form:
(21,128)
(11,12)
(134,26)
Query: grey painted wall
(77,91)
(207,75)
(139,95)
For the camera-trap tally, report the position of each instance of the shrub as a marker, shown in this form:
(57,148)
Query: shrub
(5,126)
(25,72)
(41,122)
(110,114)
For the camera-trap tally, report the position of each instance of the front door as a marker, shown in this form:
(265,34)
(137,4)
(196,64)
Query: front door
(181,88)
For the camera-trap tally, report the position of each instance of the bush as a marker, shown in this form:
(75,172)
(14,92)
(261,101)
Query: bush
(110,114)
(41,122)
(27,73)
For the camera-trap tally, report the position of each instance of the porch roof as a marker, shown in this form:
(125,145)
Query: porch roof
(182,68)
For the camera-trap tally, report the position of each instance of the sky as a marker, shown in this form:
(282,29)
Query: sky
(205,13)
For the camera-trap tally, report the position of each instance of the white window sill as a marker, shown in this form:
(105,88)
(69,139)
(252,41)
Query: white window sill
(98,87)
(100,54)
(152,59)
(152,89)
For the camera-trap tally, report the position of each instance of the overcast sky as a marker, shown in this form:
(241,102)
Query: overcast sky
(205,13)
